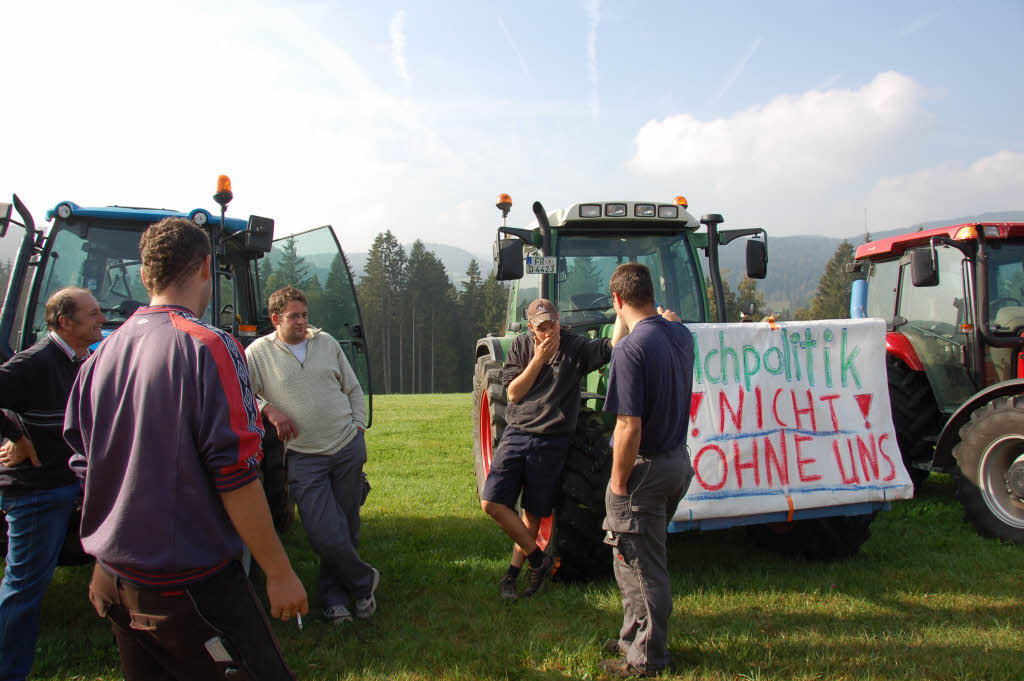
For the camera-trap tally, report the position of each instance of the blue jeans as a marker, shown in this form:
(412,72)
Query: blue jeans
(37,523)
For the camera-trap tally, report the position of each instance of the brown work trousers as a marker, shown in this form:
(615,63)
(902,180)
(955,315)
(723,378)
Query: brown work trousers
(209,630)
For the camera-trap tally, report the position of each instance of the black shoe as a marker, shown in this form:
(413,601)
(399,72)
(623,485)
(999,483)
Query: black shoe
(507,587)
(620,669)
(538,575)
(614,647)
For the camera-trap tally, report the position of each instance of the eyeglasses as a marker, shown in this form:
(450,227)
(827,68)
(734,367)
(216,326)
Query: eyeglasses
(296,316)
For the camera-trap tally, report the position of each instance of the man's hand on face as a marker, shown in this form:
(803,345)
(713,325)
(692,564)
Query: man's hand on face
(545,349)
(13,453)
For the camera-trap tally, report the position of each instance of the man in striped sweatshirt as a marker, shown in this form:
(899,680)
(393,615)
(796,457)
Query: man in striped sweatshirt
(167,436)
(312,397)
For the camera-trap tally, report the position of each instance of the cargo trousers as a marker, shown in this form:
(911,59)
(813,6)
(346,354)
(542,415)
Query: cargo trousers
(635,527)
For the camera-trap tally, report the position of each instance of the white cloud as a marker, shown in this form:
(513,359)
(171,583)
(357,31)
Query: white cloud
(398,44)
(260,92)
(594,17)
(948,190)
(796,161)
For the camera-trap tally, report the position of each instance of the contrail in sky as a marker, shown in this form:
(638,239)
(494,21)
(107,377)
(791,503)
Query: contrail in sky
(736,72)
(515,48)
(398,44)
(594,14)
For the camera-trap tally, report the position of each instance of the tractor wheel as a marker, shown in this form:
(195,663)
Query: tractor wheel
(576,536)
(489,402)
(915,417)
(990,483)
(819,539)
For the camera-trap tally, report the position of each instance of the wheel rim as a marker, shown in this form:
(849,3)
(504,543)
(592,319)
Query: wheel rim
(486,444)
(993,466)
(544,535)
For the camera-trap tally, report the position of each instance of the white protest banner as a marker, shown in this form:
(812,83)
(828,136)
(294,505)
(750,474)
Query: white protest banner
(790,416)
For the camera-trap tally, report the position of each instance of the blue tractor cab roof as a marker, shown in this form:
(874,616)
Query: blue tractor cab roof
(144,215)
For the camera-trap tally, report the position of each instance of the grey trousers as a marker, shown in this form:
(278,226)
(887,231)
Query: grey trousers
(327,489)
(635,526)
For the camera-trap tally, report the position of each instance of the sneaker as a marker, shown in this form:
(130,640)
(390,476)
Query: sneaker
(538,575)
(337,614)
(365,607)
(620,669)
(507,587)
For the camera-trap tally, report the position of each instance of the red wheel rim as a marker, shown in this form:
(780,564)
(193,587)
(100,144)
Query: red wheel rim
(486,445)
(544,535)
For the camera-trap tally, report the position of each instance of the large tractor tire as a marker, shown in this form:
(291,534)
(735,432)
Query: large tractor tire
(489,402)
(990,483)
(915,417)
(818,539)
(576,539)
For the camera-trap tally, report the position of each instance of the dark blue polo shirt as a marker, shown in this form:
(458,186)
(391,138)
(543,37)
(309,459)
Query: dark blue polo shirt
(651,376)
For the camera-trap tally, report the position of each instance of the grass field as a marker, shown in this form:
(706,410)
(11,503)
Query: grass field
(925,599)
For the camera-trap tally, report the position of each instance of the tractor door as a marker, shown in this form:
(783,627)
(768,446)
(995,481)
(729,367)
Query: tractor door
(932,317)
(314,262)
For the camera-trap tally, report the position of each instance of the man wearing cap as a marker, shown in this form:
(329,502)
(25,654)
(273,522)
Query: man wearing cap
(542,375)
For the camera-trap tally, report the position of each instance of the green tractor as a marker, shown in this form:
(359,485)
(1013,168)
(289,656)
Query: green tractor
(568,257)
(953,302)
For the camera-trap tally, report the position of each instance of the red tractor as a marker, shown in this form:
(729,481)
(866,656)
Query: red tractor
(953,302)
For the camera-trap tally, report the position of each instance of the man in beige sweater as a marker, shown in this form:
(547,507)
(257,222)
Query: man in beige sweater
(310,394)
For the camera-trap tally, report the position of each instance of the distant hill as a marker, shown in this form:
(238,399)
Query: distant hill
(795,263)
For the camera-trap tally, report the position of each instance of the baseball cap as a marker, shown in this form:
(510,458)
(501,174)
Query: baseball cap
(540,311)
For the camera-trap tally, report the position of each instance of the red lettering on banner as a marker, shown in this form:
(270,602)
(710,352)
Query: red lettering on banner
(725,468)
(754,465)
(770,458)
(868,457)
(775,408)
(760,409)
(852,478)
(735,415)
(809,410)
(830,399)
(892,466)
(801,461)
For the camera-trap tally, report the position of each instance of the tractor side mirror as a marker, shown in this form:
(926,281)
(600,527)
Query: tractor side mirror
(757,259)
(5,217)
(922,267)
(508,259)
(259,234)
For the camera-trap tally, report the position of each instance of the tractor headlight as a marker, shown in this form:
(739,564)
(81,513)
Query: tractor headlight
(199,217)
(615,210)
(644,210)
(590,210)
(668,211)
(64,210)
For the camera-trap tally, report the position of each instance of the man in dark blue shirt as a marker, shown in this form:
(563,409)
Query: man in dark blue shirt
(649,384)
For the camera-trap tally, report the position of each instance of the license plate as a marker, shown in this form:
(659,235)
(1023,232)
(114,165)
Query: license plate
(541,265)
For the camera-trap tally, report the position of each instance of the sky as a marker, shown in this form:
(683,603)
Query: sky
(803,117)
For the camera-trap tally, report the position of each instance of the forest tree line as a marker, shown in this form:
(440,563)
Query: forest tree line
(421,329)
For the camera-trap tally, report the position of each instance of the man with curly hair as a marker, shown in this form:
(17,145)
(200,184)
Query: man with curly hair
(167,438)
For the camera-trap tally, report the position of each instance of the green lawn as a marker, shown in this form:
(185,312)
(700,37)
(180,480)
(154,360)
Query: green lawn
(925,599)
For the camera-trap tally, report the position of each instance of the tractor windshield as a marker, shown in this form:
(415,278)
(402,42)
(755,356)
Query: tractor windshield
(1006,285)
(585,264)
(103,259)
